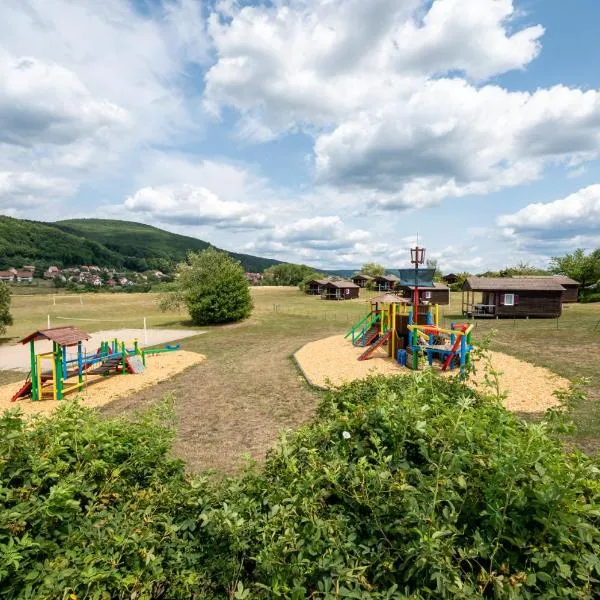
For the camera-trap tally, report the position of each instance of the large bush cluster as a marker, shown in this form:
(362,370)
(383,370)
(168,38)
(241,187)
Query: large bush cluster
(406,487)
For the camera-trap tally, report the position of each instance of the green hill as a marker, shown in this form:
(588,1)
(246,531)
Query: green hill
(121,244)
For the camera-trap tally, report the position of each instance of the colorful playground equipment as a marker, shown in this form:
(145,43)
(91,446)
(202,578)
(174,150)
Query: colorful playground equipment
(66,367)
(409,328)
(390,323)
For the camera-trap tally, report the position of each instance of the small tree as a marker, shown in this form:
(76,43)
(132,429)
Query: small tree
(372,269)
(213,287)
(5,316)
(578,265)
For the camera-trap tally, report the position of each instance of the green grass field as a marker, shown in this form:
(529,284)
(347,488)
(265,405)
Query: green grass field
(249,389)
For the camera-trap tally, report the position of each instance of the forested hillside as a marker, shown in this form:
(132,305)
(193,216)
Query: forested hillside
(101,242)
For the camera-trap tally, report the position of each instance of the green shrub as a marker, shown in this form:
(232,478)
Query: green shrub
(403,487)
(591,297)
(5,316)
(214,288)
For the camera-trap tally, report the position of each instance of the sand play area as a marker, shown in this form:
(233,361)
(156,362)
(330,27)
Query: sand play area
(99,390)
(334,360)
(16,356)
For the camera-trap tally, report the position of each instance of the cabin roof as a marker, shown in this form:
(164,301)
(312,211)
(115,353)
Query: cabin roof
(63,336)
(319,281)
(361,276)
(562,279)
(436,286)
(388,277)
(341,284)
(516,284)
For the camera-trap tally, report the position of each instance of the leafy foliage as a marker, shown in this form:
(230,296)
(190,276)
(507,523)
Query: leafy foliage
(372,269)
(578,265)
(213,287)
(288,274)
(5,316)
(405,487)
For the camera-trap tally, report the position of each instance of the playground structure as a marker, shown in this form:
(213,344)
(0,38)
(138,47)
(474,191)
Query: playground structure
(390,324)
(70,363)
(409,328)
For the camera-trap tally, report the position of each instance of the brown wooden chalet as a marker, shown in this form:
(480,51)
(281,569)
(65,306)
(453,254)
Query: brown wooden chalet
(438,293)
(386,283)
(571,287)
(512,297)
(340,290)
(450,278)
(361,280)
(314,287)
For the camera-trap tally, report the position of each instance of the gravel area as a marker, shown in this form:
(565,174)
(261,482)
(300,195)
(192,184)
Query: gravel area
(334,360)
(100,390)
(16,356)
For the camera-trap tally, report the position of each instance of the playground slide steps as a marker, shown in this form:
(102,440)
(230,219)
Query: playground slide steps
(380,342)
(368,337)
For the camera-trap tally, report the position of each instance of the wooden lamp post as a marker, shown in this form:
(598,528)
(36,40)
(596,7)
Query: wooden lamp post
(417,257)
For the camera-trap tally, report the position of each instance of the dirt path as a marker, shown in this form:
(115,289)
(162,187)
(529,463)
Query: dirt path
(232,406)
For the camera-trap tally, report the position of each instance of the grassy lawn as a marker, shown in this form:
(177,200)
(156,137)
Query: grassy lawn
(249,389)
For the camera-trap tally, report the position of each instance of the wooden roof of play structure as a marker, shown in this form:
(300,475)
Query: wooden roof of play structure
(63,336)
(509,284)
(388,299)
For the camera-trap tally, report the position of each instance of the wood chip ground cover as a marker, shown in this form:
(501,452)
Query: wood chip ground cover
(333,360)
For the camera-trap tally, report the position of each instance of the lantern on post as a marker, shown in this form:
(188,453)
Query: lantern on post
(417,257)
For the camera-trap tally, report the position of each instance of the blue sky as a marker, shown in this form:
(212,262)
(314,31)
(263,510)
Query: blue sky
(329,132)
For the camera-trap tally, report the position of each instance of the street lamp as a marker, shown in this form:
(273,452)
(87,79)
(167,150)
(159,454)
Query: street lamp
(417,257)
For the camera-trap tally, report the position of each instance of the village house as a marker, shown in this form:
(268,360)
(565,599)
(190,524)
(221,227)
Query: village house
(7,276)
(512,297)
(24,276)
(52,272)
(253,278)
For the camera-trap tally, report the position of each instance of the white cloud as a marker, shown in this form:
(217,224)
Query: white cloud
(26,190)
(578,213)
(85,85)
(191,205)
(391,93)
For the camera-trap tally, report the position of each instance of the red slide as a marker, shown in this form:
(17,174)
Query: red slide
(26,389)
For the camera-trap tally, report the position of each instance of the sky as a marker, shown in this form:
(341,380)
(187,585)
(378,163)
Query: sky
(327,132)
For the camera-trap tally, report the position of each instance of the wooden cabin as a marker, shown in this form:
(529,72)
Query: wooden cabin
(361,280)
(450,278)
(438,293)
(386,283)
(571,287)
(512,297)
(314,287)
(339,290)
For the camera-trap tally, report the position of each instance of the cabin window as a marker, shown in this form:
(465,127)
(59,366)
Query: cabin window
(509,299)
(427,295)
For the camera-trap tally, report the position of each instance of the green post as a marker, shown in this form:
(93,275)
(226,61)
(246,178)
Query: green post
(59,373)
(34,375)
(143,357)
(123,356)
(135,347)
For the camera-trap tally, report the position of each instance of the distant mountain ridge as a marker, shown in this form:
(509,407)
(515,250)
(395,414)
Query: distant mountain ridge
(103,242)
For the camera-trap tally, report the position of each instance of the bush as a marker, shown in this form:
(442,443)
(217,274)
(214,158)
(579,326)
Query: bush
(590,297)
(5,316)
(404,487)
(213,287)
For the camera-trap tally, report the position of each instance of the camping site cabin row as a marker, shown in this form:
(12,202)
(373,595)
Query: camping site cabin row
(512,297)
